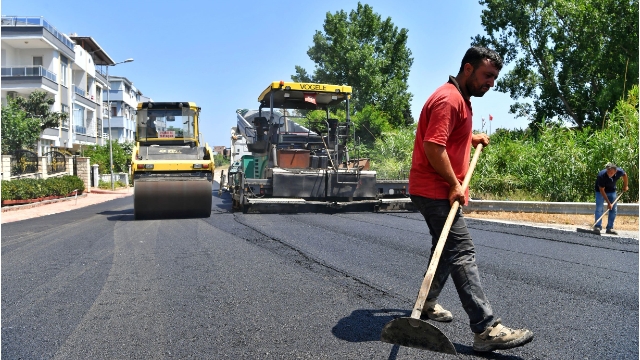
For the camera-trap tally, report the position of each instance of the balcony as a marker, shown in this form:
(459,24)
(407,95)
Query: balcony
(29,71)
(85,98)
(100,75)
(81,130)
(79,91)
(27,77)
(16,21)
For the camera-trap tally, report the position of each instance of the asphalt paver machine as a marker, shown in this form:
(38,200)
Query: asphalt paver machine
(295,164)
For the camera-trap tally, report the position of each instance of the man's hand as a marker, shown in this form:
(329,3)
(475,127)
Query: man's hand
(456,193)
(479,139)
(439,159)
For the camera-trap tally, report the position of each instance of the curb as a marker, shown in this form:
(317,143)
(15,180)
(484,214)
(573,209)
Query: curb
(546,207)
(37,204)
(102,191)
(70,198)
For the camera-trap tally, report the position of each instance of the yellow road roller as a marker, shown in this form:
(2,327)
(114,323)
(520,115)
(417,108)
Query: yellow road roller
(172,171)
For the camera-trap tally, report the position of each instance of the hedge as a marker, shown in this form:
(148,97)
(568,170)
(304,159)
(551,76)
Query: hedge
(25,189)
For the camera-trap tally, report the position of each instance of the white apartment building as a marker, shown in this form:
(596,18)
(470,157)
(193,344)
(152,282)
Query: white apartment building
(72,70)
(124,99)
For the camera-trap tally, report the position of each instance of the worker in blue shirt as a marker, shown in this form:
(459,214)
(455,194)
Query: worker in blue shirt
(606,191)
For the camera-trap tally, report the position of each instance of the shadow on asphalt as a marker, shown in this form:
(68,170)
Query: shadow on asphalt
(127,215)
(468,350)
(367,324)
(118,215)
(222,202)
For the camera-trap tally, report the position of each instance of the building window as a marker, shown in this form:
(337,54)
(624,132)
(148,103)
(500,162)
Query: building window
(37,61)
(65,122)
(46,145)
(79,120)
(63,70)
(114,111)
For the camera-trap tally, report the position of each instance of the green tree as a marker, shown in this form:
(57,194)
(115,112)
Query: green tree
(370,124)
(99,154)
(38,105)
(19,131)
(368,53)
(573,58)
(220,160)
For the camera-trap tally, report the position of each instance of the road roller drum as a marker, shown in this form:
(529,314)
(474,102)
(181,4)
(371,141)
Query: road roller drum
(175,198)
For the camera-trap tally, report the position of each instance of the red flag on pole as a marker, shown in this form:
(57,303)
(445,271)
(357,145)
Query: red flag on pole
(490,117)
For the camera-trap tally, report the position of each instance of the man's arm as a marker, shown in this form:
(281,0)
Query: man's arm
(439,159)
(625,179)
(606,198)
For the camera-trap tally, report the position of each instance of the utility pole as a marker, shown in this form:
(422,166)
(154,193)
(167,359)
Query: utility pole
(109,121)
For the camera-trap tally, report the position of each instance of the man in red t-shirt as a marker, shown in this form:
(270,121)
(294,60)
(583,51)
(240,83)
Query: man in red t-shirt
(440,162)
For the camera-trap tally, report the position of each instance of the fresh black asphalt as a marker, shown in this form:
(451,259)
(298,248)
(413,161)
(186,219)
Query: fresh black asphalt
(95,284)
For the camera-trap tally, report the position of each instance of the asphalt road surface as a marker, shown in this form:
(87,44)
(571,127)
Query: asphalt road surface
(95,284)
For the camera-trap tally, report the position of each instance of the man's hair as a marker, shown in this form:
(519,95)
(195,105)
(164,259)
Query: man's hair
(476,55)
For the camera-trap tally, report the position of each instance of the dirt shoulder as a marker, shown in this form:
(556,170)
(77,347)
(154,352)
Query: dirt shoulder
(626,223)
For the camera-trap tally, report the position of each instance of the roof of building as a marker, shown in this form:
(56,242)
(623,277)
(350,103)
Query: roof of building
(100,57)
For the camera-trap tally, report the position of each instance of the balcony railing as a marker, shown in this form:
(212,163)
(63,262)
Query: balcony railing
(79,91)
(81,130)
(36,21)
(29,71)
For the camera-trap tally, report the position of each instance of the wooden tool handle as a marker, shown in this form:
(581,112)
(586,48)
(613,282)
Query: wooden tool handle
(435,259)
(605,213)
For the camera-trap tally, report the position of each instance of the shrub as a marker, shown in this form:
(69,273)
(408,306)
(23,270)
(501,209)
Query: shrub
(394,149)
(8,190)
(25,189)
(73,183)
(104,185)
(560,164)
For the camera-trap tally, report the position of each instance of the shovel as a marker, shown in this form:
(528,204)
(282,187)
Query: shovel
(411,331)
(592,230)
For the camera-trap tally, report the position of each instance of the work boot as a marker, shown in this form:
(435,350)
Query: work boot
(597,228)
(498,336)
(435,312)
(612,232)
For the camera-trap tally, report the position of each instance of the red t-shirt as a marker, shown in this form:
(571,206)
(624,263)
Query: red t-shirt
(446,119)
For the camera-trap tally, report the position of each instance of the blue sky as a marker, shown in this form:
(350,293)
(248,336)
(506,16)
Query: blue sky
(223,54)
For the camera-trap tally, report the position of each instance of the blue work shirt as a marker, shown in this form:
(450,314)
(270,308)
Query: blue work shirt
(608,183)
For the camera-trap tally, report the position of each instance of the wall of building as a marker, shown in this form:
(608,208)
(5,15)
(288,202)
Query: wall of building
(9,56)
